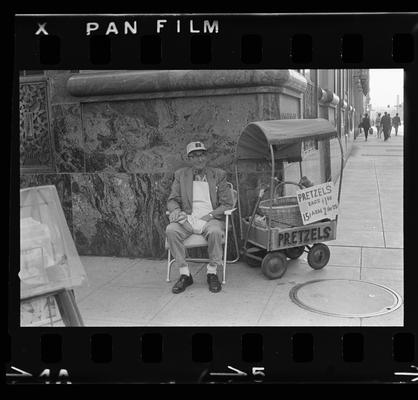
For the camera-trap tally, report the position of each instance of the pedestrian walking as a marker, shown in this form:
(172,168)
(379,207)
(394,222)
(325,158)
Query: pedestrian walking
(390,124)
(199,196)
(385,123)
(396,121)
(360,127)
(365,122)
(378,127)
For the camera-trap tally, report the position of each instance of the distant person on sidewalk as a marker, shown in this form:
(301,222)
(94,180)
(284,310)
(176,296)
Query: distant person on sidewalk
(199,196)
(390,124)
(378,127)
(396,121)
(365,122)
(385,122)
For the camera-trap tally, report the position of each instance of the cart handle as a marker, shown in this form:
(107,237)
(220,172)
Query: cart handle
(286,183)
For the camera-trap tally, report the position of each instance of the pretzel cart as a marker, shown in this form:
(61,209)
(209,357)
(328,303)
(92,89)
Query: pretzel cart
(278,228)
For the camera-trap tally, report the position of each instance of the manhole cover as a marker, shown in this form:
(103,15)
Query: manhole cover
(345,298)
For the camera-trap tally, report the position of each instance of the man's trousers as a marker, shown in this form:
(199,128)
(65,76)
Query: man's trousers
(213,231)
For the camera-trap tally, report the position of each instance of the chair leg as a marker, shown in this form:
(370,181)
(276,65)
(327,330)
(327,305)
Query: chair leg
(225,250)
(169,262)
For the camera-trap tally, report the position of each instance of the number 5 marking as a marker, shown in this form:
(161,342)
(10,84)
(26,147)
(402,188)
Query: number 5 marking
(258,371)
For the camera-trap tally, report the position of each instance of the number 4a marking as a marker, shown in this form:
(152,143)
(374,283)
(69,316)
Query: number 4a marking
(62,373)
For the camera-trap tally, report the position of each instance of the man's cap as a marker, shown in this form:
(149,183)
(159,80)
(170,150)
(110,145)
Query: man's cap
(193,146)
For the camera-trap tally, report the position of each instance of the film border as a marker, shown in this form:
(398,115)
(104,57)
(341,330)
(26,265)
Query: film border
(268,355)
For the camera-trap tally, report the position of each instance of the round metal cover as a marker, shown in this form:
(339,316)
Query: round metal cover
(345,298)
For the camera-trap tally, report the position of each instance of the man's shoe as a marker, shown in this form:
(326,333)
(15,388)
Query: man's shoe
(182,283)
(214,284)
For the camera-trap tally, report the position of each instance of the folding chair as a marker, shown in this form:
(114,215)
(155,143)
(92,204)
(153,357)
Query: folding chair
(197,240)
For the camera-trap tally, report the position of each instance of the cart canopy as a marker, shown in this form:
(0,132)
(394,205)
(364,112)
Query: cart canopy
(286,135)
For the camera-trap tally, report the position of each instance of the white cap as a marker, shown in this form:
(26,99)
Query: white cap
(193,146)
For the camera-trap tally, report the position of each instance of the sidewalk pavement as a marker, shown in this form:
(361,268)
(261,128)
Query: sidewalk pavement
(369,247)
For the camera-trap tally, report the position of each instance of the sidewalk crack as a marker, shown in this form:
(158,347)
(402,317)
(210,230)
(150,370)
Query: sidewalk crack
(128,266)
(267,303)
(380,204)
(152,317)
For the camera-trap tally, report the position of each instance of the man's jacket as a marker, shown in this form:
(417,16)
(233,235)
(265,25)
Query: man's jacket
(366,123)
(385,121)
(181,195)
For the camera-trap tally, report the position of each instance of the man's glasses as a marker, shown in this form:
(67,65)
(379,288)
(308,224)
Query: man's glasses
(196,154)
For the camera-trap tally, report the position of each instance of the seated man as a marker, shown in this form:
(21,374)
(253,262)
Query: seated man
(199,196)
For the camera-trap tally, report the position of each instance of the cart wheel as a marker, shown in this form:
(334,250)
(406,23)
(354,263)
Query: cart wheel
(274,265)
(318,256)
(294,252)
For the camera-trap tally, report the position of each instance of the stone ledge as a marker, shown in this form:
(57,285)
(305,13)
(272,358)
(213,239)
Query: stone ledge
(134,82)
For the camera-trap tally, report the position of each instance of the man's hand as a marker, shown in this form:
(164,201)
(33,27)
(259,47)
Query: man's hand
(206,217)
(174,215)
